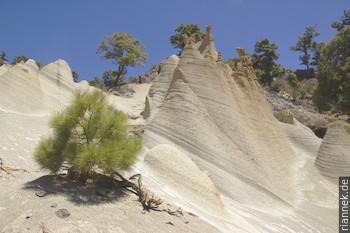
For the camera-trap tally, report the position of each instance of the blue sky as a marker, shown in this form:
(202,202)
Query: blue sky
(47,30)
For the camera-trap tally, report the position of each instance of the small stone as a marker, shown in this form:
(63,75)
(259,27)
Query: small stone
(53,205)
(62,213)
(29,216)
(40,193)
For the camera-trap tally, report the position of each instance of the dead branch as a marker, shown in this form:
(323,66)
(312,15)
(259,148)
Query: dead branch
(146,197)
(9,170)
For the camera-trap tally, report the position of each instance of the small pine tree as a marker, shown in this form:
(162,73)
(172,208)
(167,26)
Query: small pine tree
(3,58)
(19,59)
(75,76)
(177,40)
(89,134)
(293,81)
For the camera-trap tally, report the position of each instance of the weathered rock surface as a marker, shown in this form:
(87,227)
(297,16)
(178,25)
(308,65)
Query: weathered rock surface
(222,120)
(28,97)
(333,159)
(178,173)
(213,147)
(303,110)
(30,91)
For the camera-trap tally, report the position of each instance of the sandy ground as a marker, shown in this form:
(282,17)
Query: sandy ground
(92,209)
(212,147)
(95,208)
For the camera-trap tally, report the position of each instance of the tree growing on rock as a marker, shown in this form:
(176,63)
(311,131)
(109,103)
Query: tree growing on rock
(124,51)
(19,59)
(97,82)
(75,76)
(177,40)
(39,64)
(110,79)
(3,58)
(307,45)
(344,21)
(23,58)
(333,74)
(90,135)
(233,62)
(264,60)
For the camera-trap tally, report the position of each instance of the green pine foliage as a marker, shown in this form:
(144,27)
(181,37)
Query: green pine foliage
(19,59)
(97,82)
(344,21)
(177,40)
(3,58)
(90,135)
(264,60)
(333,74)
(233,62)
(307,45)
(293,81)
(75,76)
(124,51)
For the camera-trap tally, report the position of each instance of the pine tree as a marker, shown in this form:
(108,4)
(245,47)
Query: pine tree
(90,135)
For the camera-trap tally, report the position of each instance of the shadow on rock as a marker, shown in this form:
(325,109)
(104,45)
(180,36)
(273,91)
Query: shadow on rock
(103,190)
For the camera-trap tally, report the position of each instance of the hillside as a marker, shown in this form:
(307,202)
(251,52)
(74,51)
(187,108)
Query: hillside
(212,147)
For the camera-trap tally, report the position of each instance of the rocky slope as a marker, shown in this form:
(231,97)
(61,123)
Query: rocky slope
(222,121)
(28,97)
(212,147)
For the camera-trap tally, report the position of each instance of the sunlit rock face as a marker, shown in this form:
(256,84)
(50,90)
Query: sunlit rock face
(221,119)
(333,159)
(212,144)
(28,97)
(33,91)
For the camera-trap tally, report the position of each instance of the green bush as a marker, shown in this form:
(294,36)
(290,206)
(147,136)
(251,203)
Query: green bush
(134,79)
(309,85)
(98,83)
(289,85)
(293,81)
(90,135)
(281,84)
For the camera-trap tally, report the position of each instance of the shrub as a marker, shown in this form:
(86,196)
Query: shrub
(90,135)
(134,79)
(293,81)
(281,84)
(309,85)
(98,83)
(288,85)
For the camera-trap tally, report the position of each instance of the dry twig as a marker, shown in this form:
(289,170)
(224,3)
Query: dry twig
(146,197)
(9,170)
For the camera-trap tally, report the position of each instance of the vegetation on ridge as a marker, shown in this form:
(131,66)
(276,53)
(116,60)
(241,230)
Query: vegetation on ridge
(3,57)
(177,40)
(124,51)
(264,60)
(333,74)
(328,63)
(307,46)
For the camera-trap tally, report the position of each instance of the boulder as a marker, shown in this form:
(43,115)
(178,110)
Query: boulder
(333,159)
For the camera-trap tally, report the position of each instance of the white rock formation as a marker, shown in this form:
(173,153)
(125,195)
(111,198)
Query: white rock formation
(222,121)
(333,159)
(213,144)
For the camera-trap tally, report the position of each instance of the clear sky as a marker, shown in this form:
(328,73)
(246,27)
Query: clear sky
(47,30)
